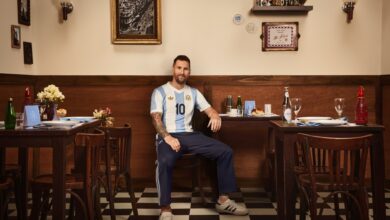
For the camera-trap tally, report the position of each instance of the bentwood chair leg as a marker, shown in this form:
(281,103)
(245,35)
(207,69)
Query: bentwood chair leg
(36,199)
(109,191)
(96,195)
(130,190)
(199,181)
(18,201)
(336,205)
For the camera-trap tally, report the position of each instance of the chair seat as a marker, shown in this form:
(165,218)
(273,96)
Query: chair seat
(102,169)
(46,181)
(323,181)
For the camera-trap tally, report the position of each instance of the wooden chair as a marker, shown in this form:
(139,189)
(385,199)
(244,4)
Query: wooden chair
(193,162)
(14,172)
(80,185)
(334,165)
(117,157)
(6,186)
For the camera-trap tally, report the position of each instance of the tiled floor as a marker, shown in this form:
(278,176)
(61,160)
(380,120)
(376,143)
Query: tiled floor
(187,206)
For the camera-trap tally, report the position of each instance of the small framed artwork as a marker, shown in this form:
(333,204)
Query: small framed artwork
(27,52)
(280,36)
(136,21)
(15,36)
(24,12)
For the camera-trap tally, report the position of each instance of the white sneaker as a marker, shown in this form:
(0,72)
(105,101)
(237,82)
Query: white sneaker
(231,207)
(166,216)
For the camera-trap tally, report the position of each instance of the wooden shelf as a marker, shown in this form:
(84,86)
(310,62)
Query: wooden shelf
(281,9)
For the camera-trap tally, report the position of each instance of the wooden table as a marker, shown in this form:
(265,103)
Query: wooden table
(237,122)
(58,140)
(285,137)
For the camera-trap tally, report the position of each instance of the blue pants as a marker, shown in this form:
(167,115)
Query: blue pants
(197,143)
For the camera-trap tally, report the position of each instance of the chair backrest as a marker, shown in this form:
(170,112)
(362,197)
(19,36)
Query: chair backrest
(343,160)
(91,143)
(119,141)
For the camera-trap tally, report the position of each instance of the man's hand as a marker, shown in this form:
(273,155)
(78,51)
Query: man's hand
(173,142)
(215,121)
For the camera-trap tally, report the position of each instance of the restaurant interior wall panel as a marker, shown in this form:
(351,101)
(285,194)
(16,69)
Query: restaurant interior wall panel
(316,99)
(129,99)
(386,121)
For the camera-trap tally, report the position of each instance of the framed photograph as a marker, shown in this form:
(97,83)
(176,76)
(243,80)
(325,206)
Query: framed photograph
(280,36)
(24,12)
(15,36)
(136,21)
(27,52)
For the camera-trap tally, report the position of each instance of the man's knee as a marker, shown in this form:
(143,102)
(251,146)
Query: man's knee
(228,150)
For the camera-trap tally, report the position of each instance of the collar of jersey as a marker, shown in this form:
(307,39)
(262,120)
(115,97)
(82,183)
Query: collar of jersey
(177,90)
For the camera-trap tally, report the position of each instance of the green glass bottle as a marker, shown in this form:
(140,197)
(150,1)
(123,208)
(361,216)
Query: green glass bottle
(10,116)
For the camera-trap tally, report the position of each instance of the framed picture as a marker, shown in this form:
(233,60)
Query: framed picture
(136,21)
(280,36)
(15,36)
(27,52)
(24,12)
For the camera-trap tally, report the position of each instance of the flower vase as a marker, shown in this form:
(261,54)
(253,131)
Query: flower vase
(51,111)
(107,123)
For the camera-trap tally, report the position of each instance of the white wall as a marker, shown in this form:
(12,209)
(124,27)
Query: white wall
(203,30)
(385,38)
(11,59)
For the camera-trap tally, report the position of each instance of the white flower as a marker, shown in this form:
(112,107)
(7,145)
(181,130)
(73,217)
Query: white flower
(50,93)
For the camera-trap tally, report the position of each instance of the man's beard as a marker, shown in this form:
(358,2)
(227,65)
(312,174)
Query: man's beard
(180,79)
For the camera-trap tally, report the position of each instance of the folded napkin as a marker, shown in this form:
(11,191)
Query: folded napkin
(310,123)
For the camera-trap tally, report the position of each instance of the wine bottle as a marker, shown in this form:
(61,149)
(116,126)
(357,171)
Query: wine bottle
(239,106)
(10,116)
(286,107)
(361,112)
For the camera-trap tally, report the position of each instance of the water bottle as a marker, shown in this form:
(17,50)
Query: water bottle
(286,116)
(361,112)
(239,106)
(229,103)
(10,116)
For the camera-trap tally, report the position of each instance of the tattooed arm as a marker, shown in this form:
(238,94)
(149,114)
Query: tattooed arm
(160,129)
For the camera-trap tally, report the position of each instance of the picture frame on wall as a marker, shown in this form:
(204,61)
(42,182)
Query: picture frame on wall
(28,53)
(24,12)
(136,21)
(280,36)
(15,36)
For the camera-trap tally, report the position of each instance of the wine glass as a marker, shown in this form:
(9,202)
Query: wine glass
(296,104)
(339,105)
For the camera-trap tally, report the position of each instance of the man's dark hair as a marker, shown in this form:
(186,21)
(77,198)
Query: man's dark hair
(182,58)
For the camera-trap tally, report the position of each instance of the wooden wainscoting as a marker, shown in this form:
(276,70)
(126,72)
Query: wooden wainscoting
(385,85)
(129,99)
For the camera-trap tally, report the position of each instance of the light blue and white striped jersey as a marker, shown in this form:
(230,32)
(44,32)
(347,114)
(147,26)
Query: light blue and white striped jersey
(177,106)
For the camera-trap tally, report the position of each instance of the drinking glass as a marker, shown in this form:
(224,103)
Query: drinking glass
(296,104)
(339,105)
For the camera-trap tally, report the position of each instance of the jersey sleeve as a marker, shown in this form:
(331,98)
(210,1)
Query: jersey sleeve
(156,102)
(201,102)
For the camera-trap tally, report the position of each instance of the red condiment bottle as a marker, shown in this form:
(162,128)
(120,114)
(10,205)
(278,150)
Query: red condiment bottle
(361,113)
(27,98)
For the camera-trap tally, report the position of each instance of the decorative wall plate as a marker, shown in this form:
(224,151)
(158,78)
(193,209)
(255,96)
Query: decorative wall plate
(238,19)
